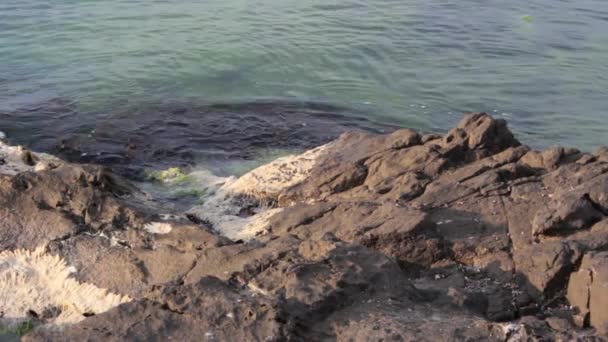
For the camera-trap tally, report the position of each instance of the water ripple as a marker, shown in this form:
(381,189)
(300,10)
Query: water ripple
(537,60)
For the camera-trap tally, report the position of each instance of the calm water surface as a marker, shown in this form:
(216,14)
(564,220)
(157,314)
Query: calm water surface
(70,67)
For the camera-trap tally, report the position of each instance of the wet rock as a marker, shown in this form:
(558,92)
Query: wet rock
(15,159)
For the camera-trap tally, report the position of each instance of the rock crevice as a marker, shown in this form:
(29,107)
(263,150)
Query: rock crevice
(467,236)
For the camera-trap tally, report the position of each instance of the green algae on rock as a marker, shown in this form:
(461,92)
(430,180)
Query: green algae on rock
(170,175)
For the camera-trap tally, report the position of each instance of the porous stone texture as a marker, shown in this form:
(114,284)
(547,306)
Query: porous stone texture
(41,206)
(406,237)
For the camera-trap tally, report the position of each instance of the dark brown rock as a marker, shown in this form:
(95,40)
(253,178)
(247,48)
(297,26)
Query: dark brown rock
(139,260)
(403,233)
(566,214)
(546,266)
(468,236)
(207,310)
(38,207)
(344,166)
(594,239)
(478,135)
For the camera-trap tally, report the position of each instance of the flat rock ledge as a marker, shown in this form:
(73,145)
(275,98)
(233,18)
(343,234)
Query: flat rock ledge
(469,236)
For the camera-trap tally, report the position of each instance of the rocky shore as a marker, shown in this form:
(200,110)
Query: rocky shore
(470,236)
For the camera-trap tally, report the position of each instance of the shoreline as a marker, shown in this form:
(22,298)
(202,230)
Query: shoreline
(466,235)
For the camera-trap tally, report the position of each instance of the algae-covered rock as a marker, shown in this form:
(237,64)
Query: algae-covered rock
(170,175)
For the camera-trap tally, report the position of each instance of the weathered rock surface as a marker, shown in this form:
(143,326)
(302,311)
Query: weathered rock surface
(208,310)
(36,207)
(588,289)
(470,236)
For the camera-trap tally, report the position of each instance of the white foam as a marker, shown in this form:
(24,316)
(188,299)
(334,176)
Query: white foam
(158,228)
(33,280)
(224,197)
(223,212)
(12,160)
(228,197)
(269,180)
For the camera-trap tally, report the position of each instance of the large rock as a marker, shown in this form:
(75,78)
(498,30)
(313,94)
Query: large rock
(545,267)
(379,162)
(566,213)
(467,236)
(342,166)
(588,289)
(96,229)
(38,207)
(405,234)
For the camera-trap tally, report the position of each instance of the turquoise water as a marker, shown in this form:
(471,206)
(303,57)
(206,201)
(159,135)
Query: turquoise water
(543,64)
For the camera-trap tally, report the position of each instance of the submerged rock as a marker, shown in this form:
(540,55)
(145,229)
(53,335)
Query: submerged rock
(470,236)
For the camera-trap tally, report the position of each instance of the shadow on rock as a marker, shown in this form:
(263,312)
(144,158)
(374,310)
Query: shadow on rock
(470,236)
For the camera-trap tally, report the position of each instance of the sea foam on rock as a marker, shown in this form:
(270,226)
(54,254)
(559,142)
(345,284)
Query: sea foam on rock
(35,283)
(240,208)
(467,236)
(15,159)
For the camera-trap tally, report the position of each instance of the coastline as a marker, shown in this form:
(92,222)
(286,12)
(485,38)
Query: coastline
(419,237)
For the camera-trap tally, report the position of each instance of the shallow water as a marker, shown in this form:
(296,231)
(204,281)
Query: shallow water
(80,66)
